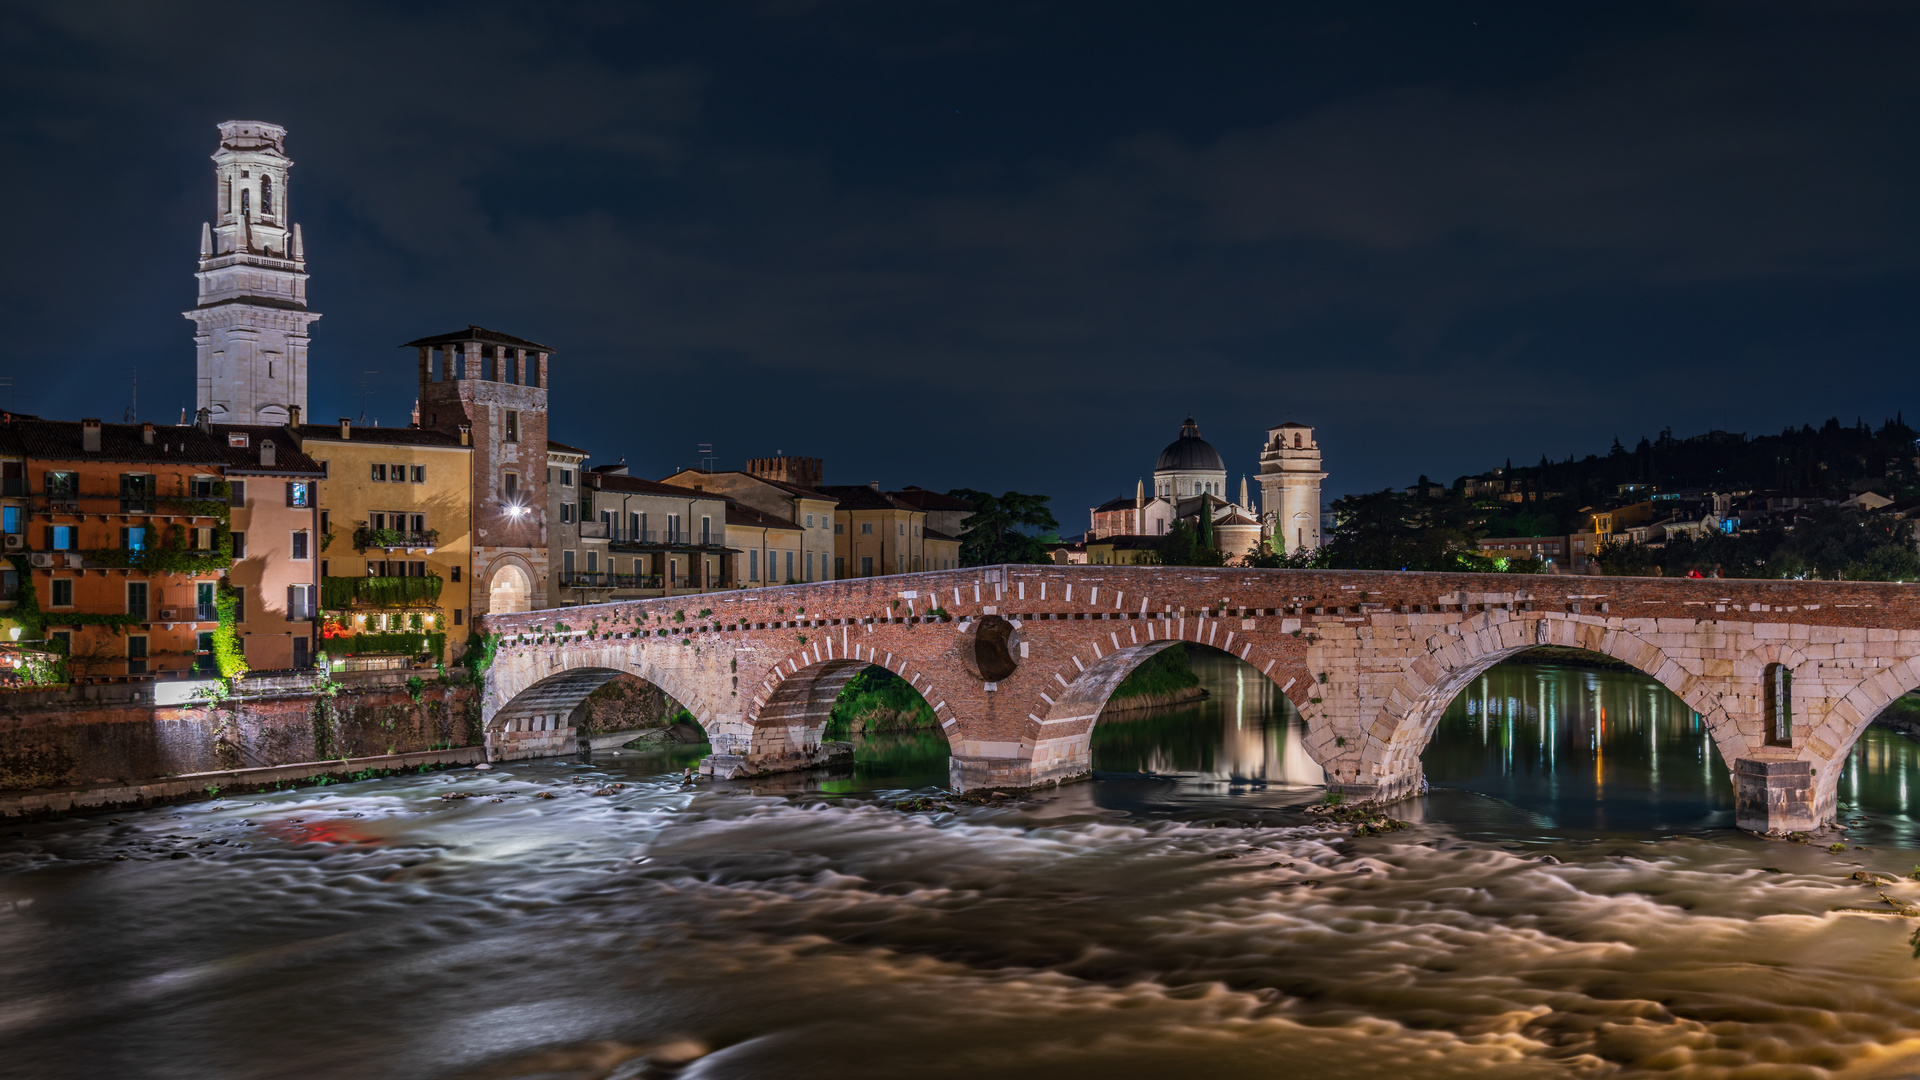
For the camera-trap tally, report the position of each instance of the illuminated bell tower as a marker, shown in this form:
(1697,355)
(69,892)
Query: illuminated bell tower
(251,322)
(1290,488)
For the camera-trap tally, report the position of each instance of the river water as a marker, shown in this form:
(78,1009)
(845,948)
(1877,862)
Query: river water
(1178,916)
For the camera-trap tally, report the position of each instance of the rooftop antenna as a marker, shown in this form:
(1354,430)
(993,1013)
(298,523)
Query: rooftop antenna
(706,456)
(133,408)
(363,394)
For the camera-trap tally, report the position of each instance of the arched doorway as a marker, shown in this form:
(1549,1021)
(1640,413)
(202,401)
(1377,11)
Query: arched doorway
(510,590)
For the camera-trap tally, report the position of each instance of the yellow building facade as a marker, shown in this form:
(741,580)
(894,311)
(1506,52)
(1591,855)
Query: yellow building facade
(396,543)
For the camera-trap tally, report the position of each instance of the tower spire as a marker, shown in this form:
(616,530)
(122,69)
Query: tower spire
(250,325)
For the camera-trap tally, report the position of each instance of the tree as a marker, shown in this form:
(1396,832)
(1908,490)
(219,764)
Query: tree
(1625,558)
(1386,530)
(1005,528)
(1185,545)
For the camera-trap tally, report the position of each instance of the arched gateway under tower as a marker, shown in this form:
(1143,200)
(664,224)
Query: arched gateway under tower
(1016,660)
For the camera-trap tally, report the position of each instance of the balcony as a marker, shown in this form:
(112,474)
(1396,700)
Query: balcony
(593,530)
(395,540)
(13,487)
(342,593)
(205,613)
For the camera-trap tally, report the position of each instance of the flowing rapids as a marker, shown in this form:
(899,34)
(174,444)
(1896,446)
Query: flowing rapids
(1568,902)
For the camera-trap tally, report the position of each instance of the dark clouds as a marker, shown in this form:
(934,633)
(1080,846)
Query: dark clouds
(1008,245)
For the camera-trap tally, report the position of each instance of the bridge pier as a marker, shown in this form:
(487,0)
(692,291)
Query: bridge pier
(1778,796)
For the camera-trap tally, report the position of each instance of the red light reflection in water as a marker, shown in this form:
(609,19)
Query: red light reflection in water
(320,832)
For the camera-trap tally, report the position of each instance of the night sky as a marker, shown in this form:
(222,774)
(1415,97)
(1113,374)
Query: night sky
(1006,246)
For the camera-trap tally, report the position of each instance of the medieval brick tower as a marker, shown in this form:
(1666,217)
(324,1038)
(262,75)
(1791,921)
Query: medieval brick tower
(1290,488)
(250,335)
(496,385)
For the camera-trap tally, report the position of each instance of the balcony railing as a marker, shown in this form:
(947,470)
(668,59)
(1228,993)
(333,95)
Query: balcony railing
(390,539)
(339,593)
(593,530)
(13,487)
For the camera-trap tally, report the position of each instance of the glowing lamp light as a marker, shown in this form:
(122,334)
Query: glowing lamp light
(15,632)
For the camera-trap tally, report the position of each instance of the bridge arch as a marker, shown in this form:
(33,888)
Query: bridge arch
(788,716)
(1061,741)
(1397,732)
(531,695)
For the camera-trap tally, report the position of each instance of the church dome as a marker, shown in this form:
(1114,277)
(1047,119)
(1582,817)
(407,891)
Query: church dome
(1190,453)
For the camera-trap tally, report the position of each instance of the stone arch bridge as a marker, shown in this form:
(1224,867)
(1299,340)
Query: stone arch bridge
(1016,662)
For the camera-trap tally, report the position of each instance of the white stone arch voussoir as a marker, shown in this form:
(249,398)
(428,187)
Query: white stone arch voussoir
(839,657)
(1413,701)
(524,677)
(1832,739)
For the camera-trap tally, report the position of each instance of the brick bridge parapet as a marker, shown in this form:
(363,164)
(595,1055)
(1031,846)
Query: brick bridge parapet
(1016,661)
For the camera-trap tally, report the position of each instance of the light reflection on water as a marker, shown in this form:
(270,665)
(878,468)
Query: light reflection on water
(1173,918)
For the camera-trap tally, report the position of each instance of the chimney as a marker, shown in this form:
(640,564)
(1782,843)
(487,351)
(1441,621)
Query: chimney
(146,434)
(346,427)
(266,452)
(293,416)
(203,419)
(874,484)
(90,436)
(466,434)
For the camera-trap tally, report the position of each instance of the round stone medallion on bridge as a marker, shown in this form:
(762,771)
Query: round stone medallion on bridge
(990,649)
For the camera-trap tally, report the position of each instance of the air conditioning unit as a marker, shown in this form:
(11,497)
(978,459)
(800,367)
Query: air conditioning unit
(15,541)
(41,558)
(75,560)
(166,615)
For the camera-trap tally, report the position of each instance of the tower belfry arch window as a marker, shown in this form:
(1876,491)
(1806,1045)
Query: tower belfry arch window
(245,199)
(266,195)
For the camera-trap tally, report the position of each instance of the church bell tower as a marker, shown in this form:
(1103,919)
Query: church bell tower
(1290,487)
(250,334)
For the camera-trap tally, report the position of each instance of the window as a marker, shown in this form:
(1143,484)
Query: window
(10,519)
(789,566)
(237,440)
(203,652)
(60,537)
(510,486)
(458,615)
(419,474)
(379,472)
(1778,692)
(62,486)
(136,493)
(513,426)
(636,526)
(299,544)
(62,592)
(838,529)
(239,604)
(809,521)
(753,566)
(65,638)
(239,544)
(866,528)
(246,198)
(397,473)
(134,538)
(299,603)
(237,493)
(201,487)
(203,539)
(902,527)
(593,562)
(302,652)
(566,513)
(298,494)
(326,522)
(137,599)
(566,563)
(706,531)
(673,528)
(137,643)
(566,477)
(866,566)
(266,195)
(455,573)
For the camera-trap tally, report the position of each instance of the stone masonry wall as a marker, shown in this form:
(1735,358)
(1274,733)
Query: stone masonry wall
(71,744)
(1370,659)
